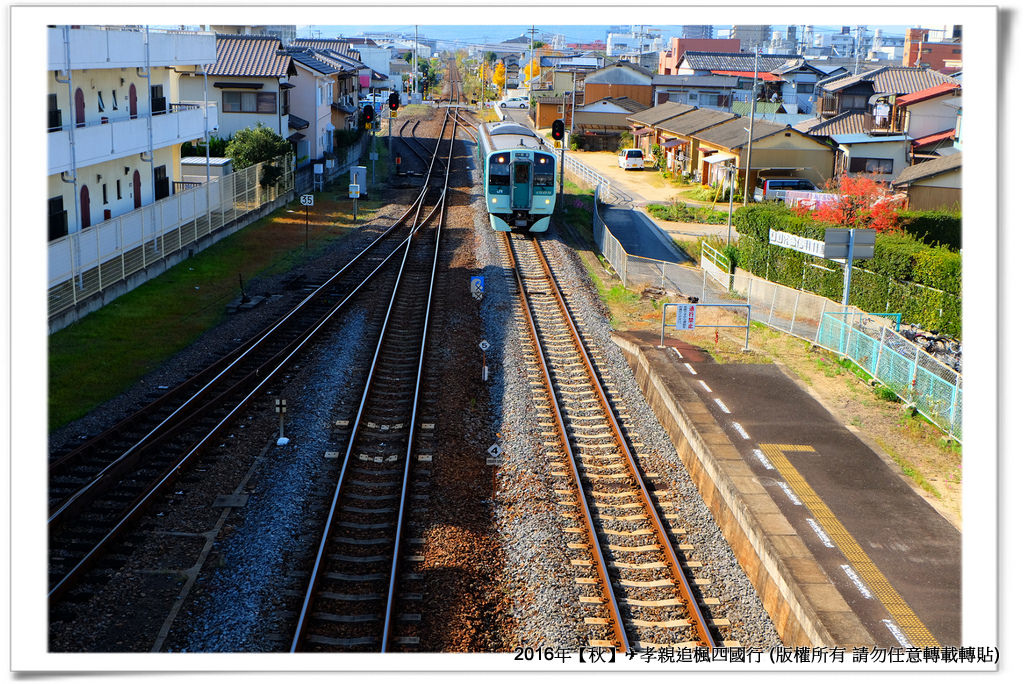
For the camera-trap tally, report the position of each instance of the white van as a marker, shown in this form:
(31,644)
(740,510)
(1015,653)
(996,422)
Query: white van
(631,158)
(772,188)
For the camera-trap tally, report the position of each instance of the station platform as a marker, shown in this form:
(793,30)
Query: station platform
(840,547)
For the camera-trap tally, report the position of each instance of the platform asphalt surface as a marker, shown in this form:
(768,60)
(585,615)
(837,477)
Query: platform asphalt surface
(893,558)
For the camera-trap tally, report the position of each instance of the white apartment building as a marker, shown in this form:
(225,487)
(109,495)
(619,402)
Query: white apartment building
(116,121)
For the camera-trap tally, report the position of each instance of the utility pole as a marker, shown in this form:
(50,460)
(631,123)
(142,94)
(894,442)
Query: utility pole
(732,191)
(529,79)
(415,59)
(750,131)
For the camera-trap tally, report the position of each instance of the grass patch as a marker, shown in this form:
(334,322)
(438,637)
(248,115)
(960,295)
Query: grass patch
(687,214)
(102,355)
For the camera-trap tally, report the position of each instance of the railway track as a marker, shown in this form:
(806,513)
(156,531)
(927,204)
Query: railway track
(99,489)
(634,577)
(362,593)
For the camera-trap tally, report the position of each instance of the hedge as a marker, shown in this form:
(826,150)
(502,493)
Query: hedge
(933,227)
(897,278)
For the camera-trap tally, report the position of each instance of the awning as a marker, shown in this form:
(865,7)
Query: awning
(643,131)
(296,137)
(936,137)
(761,75)
(718,158)
(232,84)
(287,86)
(297,123)
(670,144)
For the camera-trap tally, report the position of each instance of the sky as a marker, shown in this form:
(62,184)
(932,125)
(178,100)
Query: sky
(498,33)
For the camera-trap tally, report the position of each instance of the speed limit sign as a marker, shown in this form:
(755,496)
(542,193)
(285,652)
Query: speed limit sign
(306,200)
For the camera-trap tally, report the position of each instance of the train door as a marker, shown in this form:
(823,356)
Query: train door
(522,191)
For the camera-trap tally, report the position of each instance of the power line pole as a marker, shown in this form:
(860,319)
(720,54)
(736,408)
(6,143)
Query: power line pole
(750,131)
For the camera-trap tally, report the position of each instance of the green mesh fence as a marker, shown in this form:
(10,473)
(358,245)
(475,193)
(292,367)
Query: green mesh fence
(936,390)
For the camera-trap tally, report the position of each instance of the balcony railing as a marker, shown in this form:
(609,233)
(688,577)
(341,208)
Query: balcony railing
(97,142)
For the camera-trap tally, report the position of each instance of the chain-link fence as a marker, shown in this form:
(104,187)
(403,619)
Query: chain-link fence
(89,261)
(914,375)
(867,339)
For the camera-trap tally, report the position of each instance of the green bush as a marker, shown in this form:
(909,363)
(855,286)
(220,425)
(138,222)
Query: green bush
(900,262)
(933,227)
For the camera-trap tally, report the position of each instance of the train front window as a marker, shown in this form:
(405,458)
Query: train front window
(543,173)
(522,173)
(499,175)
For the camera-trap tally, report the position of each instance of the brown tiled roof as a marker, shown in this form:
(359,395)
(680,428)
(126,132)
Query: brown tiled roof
(336,44)
(927,169)
(245,55)
(666,110)
(844,124)
(629,104)
(694,121)
(893,80)
(733,134)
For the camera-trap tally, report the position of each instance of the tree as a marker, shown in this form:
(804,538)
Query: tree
(531,69)
(499,75)
(861,202)
(538,44)
(254,145)
(490,57)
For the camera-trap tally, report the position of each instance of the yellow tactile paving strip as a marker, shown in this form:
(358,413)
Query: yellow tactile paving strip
(904,616)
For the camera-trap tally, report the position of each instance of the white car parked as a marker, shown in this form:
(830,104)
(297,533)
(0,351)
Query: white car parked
(631,158)
(520,102)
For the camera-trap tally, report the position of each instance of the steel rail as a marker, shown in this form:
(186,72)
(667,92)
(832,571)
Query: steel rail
(415,402)
(610,599)
(678,577)
(136,506)
(304,612)
(140,501)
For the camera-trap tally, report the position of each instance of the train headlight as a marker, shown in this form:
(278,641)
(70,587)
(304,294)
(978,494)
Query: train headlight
(494,200)
(547,201)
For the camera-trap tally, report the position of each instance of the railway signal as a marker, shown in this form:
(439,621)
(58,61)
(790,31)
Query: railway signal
(393,102)
(368,116)
(558,129)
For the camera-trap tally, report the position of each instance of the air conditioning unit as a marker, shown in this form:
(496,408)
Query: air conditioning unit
(330,163)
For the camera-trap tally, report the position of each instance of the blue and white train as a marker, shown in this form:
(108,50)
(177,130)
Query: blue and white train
(519,177)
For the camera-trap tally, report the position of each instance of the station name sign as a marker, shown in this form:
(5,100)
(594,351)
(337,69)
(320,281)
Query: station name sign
(835,246)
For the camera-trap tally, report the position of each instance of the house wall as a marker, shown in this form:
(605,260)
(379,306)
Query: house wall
(815,161)
(108,173)
(932,116)
(113,85)
(937,192)
(896,151)
(311,100)
(191,88)
(644,94)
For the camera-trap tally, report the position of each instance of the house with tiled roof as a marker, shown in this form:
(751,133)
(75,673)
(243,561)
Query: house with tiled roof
(796,90)
(602,122)
(345,106)
(621,79)
(933,184)
(774,149)
(251,82)
(861,92)
(311,105)
(704,91)
(674,135)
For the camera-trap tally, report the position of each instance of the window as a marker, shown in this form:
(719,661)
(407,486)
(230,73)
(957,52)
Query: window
(119,188)
(709,99)
(544,172)
(54,121)
(250,103)
(856,102)
(805,87)
(58,224)
(105,193)
(499,176)
(113,100)
(99,100)
(692,97)
(870,165)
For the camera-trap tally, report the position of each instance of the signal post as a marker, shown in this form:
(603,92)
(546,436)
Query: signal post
(558,133)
